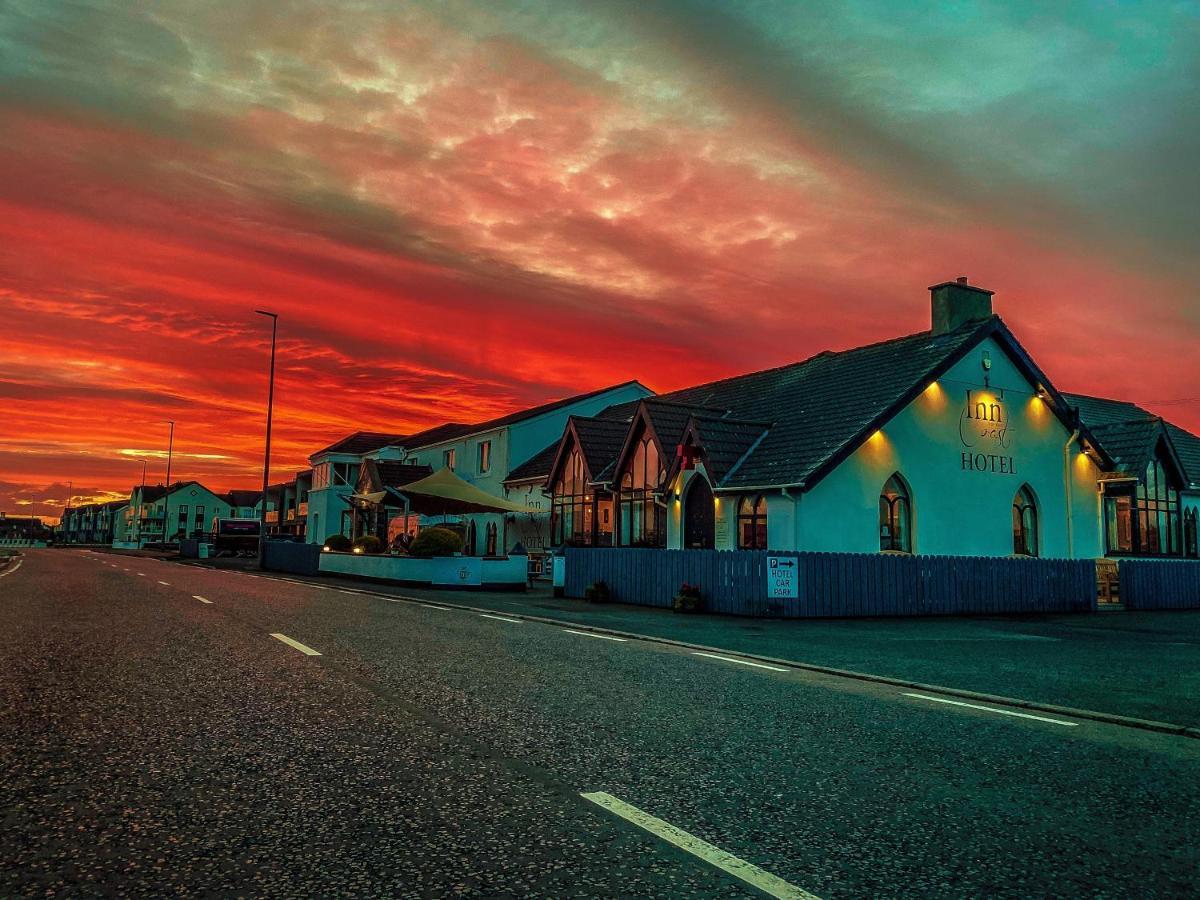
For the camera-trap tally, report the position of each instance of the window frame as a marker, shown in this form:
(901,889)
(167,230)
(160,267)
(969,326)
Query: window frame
(752,519)
(483,457)
(889,519)
(1026,524)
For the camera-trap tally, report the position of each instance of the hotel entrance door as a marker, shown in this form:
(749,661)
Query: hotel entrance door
(698,516)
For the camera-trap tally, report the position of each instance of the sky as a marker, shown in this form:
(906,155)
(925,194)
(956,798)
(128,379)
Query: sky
(461,209)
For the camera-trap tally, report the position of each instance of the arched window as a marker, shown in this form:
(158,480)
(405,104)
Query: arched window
(1025,523)
(641,511)
(752,523)
(469,541)
(1145,520)
(572,507)
(490,540)
(895,516)
(1191,534)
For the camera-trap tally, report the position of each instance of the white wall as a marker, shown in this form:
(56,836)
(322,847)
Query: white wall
(957,511)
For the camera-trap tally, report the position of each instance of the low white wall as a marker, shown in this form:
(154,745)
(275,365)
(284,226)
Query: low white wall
(445,571)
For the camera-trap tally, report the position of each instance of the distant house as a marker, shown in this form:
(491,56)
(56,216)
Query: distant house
(157,513)
(91,523)
(22,529)
(243,504)
(287,506)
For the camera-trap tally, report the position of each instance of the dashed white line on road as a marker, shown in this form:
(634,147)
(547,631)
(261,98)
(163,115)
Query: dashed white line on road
(740,662)
(771,885)
(501,618)
(343,591)
(167,583)
(603,637)
(143,574)
(426,605)
(992,709)
(303,648)
(201,599)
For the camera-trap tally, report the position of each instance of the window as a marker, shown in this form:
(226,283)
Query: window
(448,459)
(895,517)
(1144,520)
(1191,534)
(321,475)
(199,518)
(183,511)
(572,508)
(490,540)
(485,457)
(641,512)
(469,539)
(752,523)
(1025,523)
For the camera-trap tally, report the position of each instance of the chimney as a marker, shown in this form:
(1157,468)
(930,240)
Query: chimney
(955,303)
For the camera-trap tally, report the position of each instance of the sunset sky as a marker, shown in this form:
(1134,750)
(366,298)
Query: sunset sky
(459,209)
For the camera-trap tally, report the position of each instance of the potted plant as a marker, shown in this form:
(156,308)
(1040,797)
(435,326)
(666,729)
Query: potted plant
(688,599)
(596,593)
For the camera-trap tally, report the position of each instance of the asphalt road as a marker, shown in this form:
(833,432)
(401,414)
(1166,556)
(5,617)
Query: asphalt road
(153,743)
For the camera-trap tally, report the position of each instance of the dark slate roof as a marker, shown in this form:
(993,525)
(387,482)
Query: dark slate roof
(393,473)
(726,441)
(242,498)
(600,442)
(620,411)
(535,411)
(447,431)
(537,467)
(115,504)
(1120,426)
(362,442)
(818,407)
(1187,445)
(1131,444)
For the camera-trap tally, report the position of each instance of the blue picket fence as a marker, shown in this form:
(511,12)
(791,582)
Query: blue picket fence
(839,584)
(1160,583)
(287,556)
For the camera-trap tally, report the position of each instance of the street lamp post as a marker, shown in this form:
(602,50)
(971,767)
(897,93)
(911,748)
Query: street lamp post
(262,514)
(141,503)
(67,512)
(167,489)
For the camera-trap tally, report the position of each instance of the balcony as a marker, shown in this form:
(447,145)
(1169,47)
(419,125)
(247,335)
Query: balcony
(302,510)
(272,517)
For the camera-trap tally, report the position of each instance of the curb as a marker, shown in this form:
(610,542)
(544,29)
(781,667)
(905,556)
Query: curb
(994,699)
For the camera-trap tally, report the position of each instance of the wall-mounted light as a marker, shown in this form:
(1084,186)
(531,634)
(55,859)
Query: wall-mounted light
(676,495)
(987,360)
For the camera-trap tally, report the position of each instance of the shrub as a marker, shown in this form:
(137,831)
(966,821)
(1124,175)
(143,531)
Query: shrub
(688,599)
(338,542)
(596,593)
(368,543)
(436,542)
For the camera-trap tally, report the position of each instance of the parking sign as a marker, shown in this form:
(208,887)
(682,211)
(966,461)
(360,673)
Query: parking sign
(782,583)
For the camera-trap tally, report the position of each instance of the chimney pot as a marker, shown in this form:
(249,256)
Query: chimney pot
(955,303)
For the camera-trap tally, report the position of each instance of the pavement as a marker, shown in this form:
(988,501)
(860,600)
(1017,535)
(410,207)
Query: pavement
(158,738)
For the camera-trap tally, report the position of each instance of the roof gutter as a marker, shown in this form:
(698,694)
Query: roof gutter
(749,488)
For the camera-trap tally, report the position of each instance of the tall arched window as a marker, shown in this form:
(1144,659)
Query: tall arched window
(641,511)
(1191,534)
(895,516)
(752,523)
(469,539)
(490,539)
(1025,523)
(572,506)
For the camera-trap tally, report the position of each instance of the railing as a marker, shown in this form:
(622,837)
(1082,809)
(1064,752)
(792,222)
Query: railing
(838,584)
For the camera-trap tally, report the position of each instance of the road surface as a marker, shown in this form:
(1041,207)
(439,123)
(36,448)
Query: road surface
(174,729)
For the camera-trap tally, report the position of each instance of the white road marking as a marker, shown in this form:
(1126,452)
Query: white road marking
(342,591)
(167,583)
(143,574)
(11,568)
(201,599)
(771,885)
(992,709)
(501,618)
(426,605)
(603,637)
(306,650)
(740,662)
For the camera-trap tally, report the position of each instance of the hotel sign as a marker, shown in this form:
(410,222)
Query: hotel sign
(782,583)
(986,435)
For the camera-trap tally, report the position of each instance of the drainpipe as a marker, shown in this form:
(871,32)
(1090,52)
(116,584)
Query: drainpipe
(1067,489)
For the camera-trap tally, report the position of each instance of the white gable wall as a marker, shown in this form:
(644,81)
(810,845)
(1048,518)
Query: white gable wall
(957,510)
